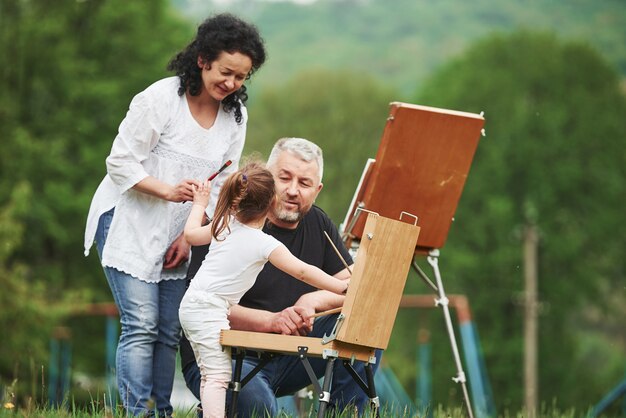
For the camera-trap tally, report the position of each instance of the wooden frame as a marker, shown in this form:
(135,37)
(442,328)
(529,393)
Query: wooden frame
(421,166)
(367,316)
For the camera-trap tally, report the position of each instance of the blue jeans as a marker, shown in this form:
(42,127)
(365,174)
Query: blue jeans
(146,352)
(285,375)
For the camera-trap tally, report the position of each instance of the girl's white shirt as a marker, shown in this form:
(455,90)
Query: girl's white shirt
(160,138)
(232,264)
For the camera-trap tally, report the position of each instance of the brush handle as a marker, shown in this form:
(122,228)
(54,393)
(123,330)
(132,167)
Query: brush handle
(222,168)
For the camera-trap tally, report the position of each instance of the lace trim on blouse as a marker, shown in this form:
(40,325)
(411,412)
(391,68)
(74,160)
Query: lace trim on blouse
(179,157)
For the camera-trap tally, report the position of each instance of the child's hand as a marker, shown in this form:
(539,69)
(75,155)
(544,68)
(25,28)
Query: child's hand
(202,193)
(347,282)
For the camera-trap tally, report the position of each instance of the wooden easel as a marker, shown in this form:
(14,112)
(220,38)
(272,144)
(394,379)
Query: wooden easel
(379,274)
(421,166)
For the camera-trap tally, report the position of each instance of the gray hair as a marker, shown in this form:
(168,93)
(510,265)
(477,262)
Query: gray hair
(302,148)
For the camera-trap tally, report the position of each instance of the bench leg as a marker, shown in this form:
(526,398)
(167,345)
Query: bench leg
(235,384)
(371,391)
(324,396)
(368,387)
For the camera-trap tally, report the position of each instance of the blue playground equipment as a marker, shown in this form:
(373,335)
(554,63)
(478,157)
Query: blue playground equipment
(395,400)
(612,396)
(480,387)
(59,367)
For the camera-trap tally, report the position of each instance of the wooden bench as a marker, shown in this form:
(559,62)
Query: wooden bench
(364,323)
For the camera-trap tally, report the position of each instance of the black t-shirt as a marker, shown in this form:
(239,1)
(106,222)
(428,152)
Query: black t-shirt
(275,290)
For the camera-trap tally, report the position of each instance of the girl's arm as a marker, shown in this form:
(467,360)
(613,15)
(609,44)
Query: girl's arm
(282,259)
(195,233)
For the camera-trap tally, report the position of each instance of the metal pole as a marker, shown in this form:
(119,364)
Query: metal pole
(65,368)
(433,260)
(470,348)
(324,395)
(423,387)
(530,319)
(612,396)
(53,373)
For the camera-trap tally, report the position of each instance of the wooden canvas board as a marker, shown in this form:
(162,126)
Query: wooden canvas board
(357,198)
(378,278)
(421,166)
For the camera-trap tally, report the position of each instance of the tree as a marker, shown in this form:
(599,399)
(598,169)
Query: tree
(69,70)
(342,112)
(554,154)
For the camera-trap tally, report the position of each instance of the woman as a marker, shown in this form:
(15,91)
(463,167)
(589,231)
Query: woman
(176,133)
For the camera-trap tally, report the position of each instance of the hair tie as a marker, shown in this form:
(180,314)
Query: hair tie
(245,178)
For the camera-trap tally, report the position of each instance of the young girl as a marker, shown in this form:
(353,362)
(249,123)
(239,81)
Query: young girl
(238,252)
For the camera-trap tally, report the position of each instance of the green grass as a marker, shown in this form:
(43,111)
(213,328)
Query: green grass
(12,406)
(72,411)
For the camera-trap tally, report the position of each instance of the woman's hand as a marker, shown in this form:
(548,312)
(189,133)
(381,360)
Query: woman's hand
(177,254)
(202,193)
(183,191)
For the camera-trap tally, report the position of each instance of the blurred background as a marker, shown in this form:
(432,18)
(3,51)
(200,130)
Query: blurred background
(549,75)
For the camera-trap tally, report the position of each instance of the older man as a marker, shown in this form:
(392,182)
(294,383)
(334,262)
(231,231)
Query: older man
(280,304)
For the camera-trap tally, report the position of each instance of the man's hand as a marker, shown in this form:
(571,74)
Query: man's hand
(319,301)
(295,320)
(177,254)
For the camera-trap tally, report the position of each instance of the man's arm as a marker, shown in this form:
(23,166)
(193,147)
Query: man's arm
(289,321)
(295,320)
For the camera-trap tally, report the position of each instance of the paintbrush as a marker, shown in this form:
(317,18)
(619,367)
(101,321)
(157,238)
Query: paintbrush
(222,168)
(212,176)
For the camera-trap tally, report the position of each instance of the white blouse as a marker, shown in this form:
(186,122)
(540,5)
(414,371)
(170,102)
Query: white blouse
(160,138)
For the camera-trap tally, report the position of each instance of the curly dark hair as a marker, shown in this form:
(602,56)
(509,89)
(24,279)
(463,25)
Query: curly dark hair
(219,33)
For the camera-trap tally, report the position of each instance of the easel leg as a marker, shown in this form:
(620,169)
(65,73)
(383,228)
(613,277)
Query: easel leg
(433,260)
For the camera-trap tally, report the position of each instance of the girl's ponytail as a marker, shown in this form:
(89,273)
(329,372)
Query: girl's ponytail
(246,194)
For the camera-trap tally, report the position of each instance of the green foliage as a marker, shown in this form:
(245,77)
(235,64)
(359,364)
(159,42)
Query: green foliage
(339,111)
(64,97)
(403,41)
(69,70)
(554,156)
(24,304)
